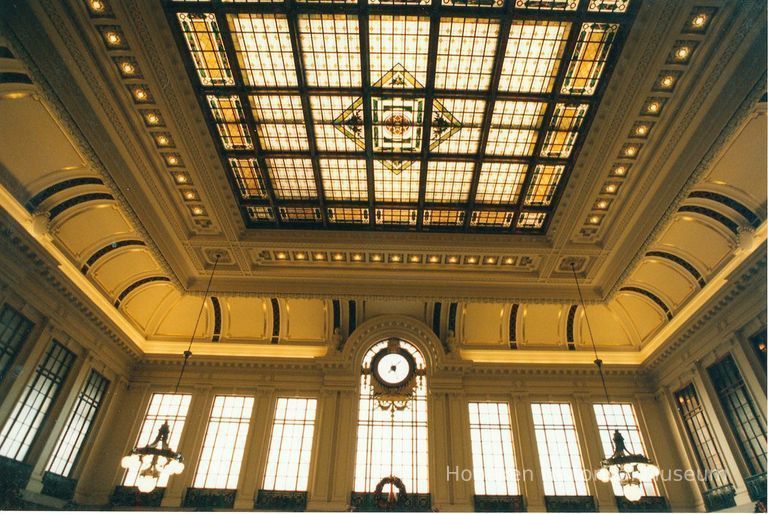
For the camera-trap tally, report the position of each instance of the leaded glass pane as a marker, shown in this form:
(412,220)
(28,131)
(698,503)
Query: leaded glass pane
(533,55)
(465,52)
(589,57)
(203,38)
(263,47)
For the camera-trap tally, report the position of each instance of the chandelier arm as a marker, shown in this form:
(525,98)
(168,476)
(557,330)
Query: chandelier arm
(188,351)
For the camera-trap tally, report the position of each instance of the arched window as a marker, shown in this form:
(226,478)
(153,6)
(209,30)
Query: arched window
(391,432)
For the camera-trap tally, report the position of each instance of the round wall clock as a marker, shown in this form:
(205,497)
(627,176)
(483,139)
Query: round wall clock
(393,369)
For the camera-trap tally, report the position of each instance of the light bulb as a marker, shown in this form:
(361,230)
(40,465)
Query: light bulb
(603,475)
(146,484)
(131,462)
(628,468)
(633,492)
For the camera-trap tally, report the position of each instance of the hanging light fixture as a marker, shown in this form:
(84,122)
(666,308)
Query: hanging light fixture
(629,469)
(157,460)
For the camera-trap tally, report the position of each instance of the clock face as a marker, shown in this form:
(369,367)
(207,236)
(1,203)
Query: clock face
(393,369)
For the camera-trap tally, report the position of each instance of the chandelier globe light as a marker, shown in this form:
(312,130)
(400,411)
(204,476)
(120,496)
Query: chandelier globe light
(628,469)
(157,461)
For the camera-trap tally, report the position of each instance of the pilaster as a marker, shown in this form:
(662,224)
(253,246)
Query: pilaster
(254,457)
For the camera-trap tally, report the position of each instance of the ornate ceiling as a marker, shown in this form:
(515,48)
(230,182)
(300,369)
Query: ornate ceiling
(131,89)
(461,115)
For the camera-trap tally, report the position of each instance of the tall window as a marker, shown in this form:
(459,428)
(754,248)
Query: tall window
(29,412)
(746,423)
(700,436)
(493,458)
(224,444)
(290,448)
(392,443)
(621,416)
(162,407)
(561,468)
(14,330)
(78,425)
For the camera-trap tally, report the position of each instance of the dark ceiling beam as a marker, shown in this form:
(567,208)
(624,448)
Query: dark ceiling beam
(229,47)
(547,118)
(434,34)
(298,58)
(490,102)
(365,65)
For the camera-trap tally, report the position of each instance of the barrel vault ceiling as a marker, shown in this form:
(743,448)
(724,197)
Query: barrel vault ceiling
(415,150)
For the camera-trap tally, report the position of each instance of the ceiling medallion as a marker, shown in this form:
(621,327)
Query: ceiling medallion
(397,121)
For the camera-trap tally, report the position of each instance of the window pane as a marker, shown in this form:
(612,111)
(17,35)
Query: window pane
(700,436)
(392,444)
(290,448)
(222,455)
(162,407)
(621,417)
(747,426)
(78,425)
(29,413)
(14,330)
(493,457)
(558,445)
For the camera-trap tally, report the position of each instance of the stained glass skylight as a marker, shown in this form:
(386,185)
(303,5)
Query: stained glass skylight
(466,116)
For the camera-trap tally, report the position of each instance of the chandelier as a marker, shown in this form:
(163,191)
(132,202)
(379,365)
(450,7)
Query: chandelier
(630,470)
(157,461)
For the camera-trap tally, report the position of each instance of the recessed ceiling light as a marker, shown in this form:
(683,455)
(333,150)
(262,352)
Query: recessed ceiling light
(139,94)
(113,38)
(319,256)
(641,130)
(620,170)
(181,178)
(163,140)
(699,20)
(509,260)
(610,188)
(682,53)
(152,118)
(127,68)
(301,256)
(594,220)
(471,260)
(172,160)
(376,257)
(490,260)
(338,256)
(602,204)
(190,195)
(281,255)
(630,150)
(97,5)
(434,258)
(453,259)
(653,107)
(395,258)
(197,211)
(357,257)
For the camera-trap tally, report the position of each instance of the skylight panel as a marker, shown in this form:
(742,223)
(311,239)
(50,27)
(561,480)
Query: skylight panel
(260,214)
(280,122)
(465,51)
(263,46)
(564,130)
(449,217)
(589,57)
(292,179)
(229,116)
(247,177)
(500,182)
(448,182)
(399,187)
(397,124)
(531,220)
(548,5)
(338,123)
(344,179)
(396,216)
(398,51)
(348,215)
(300,214)
(492,218)
(456,125)
(616,6)
(533,55)
(514,128)
(203,38)
(331,50)
(543,184)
